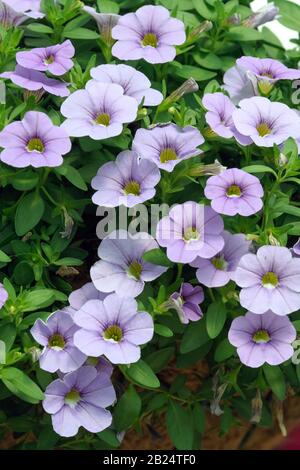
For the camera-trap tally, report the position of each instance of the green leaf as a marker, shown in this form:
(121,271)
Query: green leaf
(199,418)
(206,11)
(259,169)
(80,33)
(289,14)
(141,374)
(25,181)
(2,352)
(159,359)
(194,336)
(241,33)
(29,212)
(179,426)
(15,379)
(127,410)
(163,330)
(157,256)
(107,6)
(109,436)
(275,379)
(72,175)
(40,28)
(38,298)
(224,350)
(215,319)
(4,258)
(188,71)
(8,334)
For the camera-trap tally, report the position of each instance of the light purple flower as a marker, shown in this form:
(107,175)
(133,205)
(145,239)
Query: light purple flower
(148,34)
(239,85)
(34,141)
(269,280)
(33,80)
(99,111)
(167,145)
(10,17)
(3,295)
(190,230)
(114,328)
(56,335)
(105,22)
(54,59)
(219,270)
(262,16)
(234,192)
(128,181)
(102,365)
(121,267)
(133,82)
(265,122)
(87,292)
(30,8)
(262,339)
(80,399)
(219,117)
(267,69)
(296,248)
(186,302)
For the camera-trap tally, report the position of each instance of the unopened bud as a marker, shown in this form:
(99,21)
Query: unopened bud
(69,224)
(272,240)
(279,413)
(67,271)
(35,353)
(283,160)
(189,86)
(212,169)
(235,19)
(256,405)
(105,22)
(269,13)
(199,30)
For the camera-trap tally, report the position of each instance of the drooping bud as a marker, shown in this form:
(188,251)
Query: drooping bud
(219,391)
(269,13)
(279,414)
(212,169)
(189,86)
(198,31)
(256,405)
(235,19)
(272,240)
(69,224)
(282,160)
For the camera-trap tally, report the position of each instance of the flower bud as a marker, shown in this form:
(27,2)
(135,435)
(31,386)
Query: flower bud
(269,13)
(105,23)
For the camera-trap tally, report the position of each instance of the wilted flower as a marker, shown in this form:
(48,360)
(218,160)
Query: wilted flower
(186,302)
(167,145)
(148,34)
(56,335)
(219,270)
(190,230)
(35,81)
(121,267)
(128,181)
(80,399)
(269,280)
(114,328)
(262,16)
(34,141)
(54,59)
(3,295)
(266,122)
(99,111)
(262,339)
(234,192)
(211,169)
(133,82)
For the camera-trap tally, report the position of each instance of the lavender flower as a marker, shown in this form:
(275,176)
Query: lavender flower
(262,339)
(148,34)
(102,365)
(219,270)
(219,117)
(190,230)
(239,84)
(128,181)
(54,59)
(114,328)
(56,335)
(9,17)
(105,22)
(167,145)
(3,295)
(265,122)
(34,141)
(30,8)
(80,296)
(133,82)
(269,280)
(80,399)
(33,80)
(186,302)
(121,267)
(266,71)
(262,16)
(99,111)
(296,248)
(234,192)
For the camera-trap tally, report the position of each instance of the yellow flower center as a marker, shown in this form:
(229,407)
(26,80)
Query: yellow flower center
(56,341)
(49,60)
(263,129)
(35,145)
(103,119)
(234,191)
(150,39)
(72,397)
(167,154)
(219,263)
(132,187)
(113,333)
(270,280)
(135,270)
(191,234)
(261,336)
